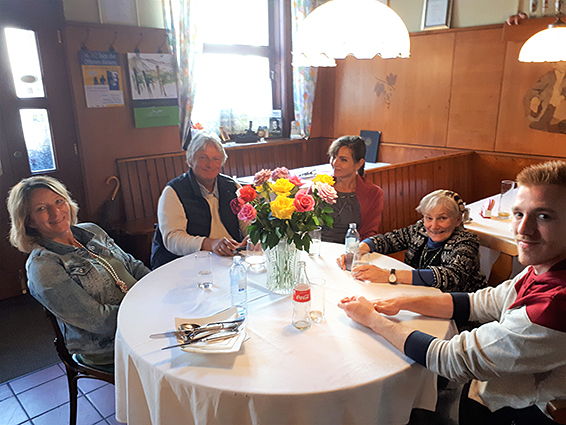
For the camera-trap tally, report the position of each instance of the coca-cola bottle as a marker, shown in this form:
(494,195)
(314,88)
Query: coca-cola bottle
(302,299)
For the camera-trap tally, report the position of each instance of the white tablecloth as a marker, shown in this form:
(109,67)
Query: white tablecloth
(336,372)
(495,226)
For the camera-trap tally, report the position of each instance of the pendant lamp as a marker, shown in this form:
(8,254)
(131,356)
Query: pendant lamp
(548,45)
(361,28)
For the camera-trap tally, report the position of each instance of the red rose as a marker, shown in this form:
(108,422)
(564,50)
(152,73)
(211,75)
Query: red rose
(236,204)
(303,201)
(296,180)
(247,193)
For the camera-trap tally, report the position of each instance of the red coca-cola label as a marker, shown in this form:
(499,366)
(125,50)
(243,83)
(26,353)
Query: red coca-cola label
(301,296)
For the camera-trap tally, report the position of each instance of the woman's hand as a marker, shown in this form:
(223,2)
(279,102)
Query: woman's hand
(359,309)
(364,247)
(372,273)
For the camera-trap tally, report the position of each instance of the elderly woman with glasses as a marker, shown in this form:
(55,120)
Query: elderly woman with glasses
(442,253)
(194,211)
(75,270)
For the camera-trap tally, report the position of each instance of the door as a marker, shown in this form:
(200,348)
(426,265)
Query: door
(37,126)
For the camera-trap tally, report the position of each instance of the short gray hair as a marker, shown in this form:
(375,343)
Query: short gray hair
(22,236)
(450,201)
(201,141)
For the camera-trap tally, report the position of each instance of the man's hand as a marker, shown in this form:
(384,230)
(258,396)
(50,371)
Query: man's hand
(372,273)
(222,246)
(359,309)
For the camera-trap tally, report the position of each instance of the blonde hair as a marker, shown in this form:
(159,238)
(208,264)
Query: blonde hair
(547,173)
(451,201)
(22,236)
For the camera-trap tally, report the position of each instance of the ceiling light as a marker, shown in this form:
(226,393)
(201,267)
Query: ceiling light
(361,28)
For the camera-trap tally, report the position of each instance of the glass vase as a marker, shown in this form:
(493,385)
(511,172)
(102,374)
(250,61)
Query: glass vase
(281,267)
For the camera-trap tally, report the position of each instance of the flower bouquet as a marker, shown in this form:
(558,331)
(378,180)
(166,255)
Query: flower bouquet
(281,216)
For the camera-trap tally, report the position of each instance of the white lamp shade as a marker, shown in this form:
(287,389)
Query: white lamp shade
(548,45)
(361,28)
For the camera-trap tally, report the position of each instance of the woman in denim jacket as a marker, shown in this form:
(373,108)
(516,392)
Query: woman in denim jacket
(75,270)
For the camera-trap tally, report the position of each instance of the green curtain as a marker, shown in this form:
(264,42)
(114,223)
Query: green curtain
(180,22)
(304,78)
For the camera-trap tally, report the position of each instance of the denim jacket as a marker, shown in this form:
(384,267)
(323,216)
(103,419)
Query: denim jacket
(77,290)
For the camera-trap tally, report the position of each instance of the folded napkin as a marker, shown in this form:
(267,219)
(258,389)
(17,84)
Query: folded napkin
(228,345)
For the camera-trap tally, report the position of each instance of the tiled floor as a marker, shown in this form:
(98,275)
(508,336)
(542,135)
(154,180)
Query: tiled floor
(42,398)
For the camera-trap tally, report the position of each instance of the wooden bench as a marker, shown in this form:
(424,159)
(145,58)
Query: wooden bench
(143,178)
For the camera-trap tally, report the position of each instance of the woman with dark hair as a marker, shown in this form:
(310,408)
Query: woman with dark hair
(75,270)
(359,201)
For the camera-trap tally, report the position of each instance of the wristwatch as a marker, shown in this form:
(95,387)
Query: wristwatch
(392,277)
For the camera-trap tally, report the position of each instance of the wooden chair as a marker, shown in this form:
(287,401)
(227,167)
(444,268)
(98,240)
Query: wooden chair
(557,410)
(75,370)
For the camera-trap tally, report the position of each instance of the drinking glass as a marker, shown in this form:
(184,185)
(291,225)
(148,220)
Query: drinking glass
(506,198)
(255,257)
(318,299)
(360,259)
(316,242)
(204,269)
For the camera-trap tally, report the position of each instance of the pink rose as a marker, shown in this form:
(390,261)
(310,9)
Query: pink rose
(303,201)
(296,180)
(261,177)
(247,213)
(247,193)
(236,205)
(326,192)
(280,173)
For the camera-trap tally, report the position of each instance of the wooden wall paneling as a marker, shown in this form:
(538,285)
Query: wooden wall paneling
(476,88)
(126,188)
(161,174)
(514,134)
(132,169)
(406,195)
(145,189)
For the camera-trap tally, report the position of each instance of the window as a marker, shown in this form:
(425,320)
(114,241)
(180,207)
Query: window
(239,77)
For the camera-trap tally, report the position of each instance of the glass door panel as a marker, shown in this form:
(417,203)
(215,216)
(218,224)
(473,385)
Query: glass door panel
(24,63)
(37,135)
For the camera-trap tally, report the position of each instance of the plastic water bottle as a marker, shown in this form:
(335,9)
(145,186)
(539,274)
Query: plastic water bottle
(239,286)
(352,244)
(302,299)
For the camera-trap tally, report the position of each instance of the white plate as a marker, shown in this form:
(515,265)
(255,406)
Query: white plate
(229,345)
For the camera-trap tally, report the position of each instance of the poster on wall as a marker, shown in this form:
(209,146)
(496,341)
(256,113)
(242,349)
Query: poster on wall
(153,84)
(152,76)
(102,77)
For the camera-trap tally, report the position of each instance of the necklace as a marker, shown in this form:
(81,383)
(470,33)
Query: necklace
(106,266)
(423,263)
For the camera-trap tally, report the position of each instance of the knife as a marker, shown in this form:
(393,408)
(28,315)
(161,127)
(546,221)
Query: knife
(208,326)
(209,337)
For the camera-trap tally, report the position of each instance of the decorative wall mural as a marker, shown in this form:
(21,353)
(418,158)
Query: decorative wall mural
(385,88)
(545,103)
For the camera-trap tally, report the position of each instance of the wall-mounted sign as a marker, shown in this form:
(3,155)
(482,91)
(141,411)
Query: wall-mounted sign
(103,79)
(436,14)
(156,116)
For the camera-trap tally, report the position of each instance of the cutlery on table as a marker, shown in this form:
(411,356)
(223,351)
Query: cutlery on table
(193,328)
(216,336)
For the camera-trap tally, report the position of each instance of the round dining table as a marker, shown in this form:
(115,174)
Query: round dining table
(335,372)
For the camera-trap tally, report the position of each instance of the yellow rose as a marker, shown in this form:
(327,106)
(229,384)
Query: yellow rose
(324,178)
(282,207)
(282,187)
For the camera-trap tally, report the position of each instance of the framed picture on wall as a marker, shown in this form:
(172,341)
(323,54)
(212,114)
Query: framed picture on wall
(436,14)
